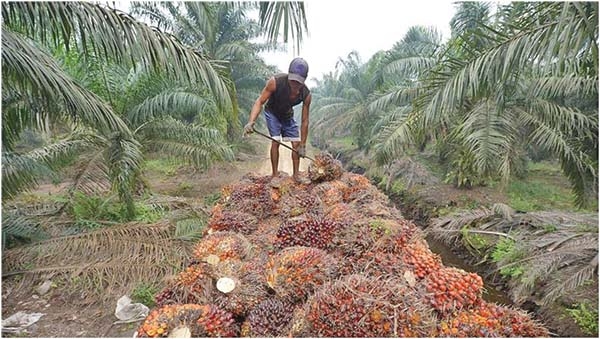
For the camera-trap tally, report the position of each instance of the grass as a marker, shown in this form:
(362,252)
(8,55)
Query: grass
(539,194)
(164,166)
(544,188)
(586,317)
(344,143)
(144,293)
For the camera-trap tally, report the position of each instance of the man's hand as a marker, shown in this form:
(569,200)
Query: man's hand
(249,128)
(301,151)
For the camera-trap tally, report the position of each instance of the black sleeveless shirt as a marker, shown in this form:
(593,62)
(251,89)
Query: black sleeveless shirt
(279,103)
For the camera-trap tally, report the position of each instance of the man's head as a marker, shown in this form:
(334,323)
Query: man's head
(298,70)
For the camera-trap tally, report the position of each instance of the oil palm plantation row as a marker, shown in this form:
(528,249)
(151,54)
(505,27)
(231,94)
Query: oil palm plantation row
(106,88)
(512,82)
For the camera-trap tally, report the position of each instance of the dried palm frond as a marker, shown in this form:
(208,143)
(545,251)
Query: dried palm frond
(447,229)
(112,259)
(412,173)
(557,249)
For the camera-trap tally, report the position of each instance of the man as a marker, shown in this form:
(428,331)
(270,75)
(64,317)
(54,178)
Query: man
(281,93)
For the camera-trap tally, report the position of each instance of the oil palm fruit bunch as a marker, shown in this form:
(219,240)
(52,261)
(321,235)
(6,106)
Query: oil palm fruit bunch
(299,202)
(355,184)
(330,192)
(385,235)
(253,198)
(295,272)
(198,320)
(361,306)
(490,320)
(192,285)
(451,289)
(308,230)
(325,168)
(222,246)
(247,287)
(270,318)
(343,214)
(234,221)
(419,258)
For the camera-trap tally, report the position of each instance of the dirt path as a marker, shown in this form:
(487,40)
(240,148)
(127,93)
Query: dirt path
(285,160)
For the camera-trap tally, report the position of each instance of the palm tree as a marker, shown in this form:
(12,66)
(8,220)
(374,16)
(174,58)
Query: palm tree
(223,32)
(500,87)
(345,109)
(404,67)
(36,89)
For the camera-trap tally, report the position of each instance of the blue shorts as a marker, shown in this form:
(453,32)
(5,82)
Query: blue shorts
(282,130)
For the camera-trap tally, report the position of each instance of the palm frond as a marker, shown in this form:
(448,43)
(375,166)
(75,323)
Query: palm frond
(30,70)
(199,145)
(577,164)
(110,259)
(17,227)
(563,86)
(487,134)
(114,35)
(292,15)
(447,228)
(399,95)
(123,156)
(411,66)
(21,171)
(580,276)
(397,133)
(507,58)
(167,103)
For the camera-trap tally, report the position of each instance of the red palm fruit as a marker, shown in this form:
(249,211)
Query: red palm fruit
(222,246)
(361,306)
(241,222)
(193,285)
(295,272)
(199,320)
(325,168)
(449,288)
(270,318)
(309,230)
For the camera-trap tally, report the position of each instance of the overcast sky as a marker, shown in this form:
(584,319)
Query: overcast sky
(337,27)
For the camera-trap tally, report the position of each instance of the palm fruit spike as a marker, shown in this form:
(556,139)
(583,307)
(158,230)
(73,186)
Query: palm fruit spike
(241,222)
(249,198)
(309,230)
(490,320)
(361,306)
(343,214)
(200,320)
(193,285)
(325,168)
(330,192)
(374,246)
(417,256)
(239,287)
(299,202)
(222,246)
(295,272)
(450,289)
(270,318)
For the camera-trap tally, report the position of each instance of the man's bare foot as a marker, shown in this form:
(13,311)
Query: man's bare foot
(301,179)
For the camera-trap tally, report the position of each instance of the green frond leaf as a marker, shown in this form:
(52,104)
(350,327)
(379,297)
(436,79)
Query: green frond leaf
(31,70)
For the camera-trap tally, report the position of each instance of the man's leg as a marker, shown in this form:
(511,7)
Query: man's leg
(275,130)
(274,158)
(295,158)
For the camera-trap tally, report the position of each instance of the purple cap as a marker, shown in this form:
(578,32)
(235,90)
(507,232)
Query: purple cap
(298,70)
